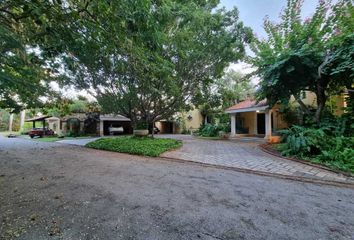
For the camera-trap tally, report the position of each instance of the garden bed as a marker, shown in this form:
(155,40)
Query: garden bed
(145,146)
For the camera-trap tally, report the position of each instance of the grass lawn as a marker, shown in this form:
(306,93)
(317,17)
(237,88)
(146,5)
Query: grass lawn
(146,146)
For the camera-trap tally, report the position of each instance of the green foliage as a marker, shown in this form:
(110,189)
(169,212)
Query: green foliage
(146,59)
(141,125)
(31,33)
(323,145)
(340,154)
(234,87)
(316,54)
(146,146)
(4,120)
(211,130)
(303,141)
(79,106)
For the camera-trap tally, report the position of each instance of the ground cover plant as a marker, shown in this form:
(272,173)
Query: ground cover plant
(319,145)
(146,146)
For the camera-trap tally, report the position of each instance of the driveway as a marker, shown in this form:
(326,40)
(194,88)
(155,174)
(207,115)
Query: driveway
(245,154)
(59,191)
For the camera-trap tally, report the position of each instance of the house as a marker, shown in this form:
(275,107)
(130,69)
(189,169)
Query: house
(252,118)
(183,122)
(257,118)
(99,124)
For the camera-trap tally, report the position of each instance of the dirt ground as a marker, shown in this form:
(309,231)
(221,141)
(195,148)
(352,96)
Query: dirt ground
(56,191)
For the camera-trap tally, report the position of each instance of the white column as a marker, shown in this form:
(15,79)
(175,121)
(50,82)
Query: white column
(58,127)
(268,124)
(101,128)
(233,124)
(11,121)
(22,120)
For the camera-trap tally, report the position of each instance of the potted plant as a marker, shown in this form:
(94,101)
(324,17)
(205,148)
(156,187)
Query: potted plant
(141,129)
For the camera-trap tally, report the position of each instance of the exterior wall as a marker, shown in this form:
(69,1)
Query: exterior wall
(309,99)
(340,104)
(249,120)
(191,121)
(278,121)
(194,122)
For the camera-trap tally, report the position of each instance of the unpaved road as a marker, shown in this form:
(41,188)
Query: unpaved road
(56,191)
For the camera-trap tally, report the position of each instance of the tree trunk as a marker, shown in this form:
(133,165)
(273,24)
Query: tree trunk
(321,102)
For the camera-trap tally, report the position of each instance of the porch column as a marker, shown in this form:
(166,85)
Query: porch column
(268,124)
(11,121)
(101,129)
(233,124)
(22,120)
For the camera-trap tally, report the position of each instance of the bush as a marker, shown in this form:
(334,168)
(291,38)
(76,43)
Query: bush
(210,130)
(146,146)
(141,126)
(340,155)
(302,141)
(320,145)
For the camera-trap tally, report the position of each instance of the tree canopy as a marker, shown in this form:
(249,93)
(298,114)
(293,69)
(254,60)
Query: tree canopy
(147,59)
(31,35)
(315,54)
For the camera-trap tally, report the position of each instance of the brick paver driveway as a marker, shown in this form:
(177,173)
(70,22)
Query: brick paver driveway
(245,154)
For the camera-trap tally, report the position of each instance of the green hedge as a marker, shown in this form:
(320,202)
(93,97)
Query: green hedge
(146,146)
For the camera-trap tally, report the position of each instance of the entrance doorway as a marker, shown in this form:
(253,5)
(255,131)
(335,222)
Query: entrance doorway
(261,123)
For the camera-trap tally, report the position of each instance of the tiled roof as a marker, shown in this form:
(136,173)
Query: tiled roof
(248,103)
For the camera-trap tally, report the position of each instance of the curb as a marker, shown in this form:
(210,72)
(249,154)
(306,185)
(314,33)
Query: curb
(264,148)
(265,174)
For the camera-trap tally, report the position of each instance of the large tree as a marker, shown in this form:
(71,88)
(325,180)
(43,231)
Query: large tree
(33,36)
(147,59)
(315,54)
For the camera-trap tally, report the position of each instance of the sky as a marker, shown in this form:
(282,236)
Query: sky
(252,12)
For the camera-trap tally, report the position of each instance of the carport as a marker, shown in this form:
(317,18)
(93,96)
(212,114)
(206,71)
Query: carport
(110,120)
(38,119)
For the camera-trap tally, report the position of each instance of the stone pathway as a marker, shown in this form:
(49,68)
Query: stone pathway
(245,154)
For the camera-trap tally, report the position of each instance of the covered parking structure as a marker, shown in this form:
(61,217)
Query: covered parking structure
(38,119)
(116,121)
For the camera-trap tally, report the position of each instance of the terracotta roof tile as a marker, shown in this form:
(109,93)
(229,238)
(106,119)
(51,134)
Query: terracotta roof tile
(248,103)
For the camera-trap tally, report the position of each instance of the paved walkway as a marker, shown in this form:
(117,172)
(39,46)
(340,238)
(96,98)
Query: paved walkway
(245,154)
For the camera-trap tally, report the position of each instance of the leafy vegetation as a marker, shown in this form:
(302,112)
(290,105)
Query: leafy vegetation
(146,146)
(156,54)
(31,36)
(212,130)
(315,55)
(325,145)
